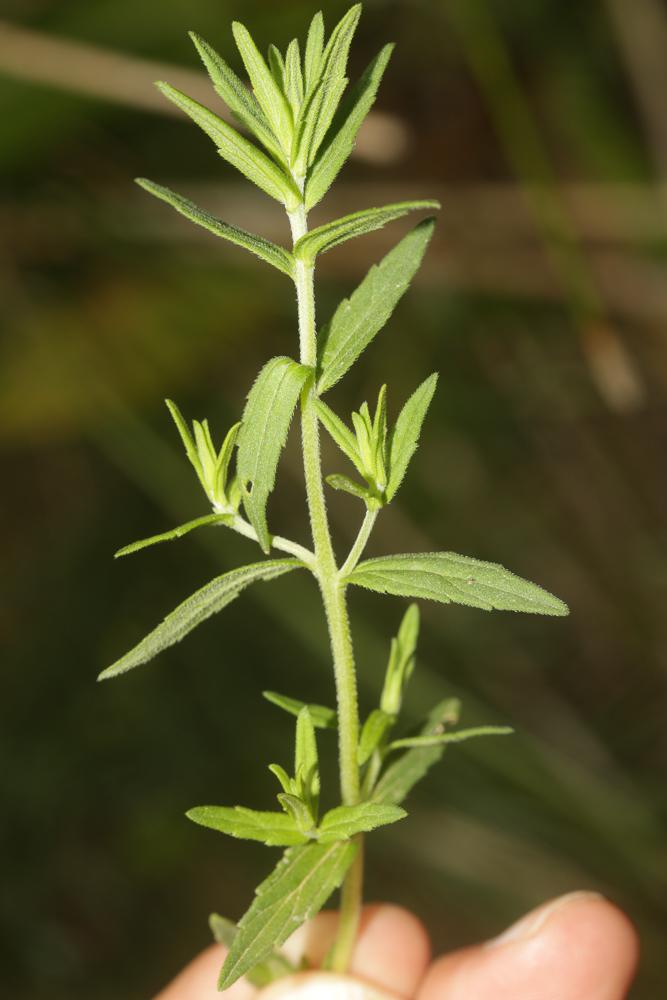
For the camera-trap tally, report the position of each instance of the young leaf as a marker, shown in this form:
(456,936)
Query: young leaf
(334,60)
(269,95)
(294,77)
(314,120)
(457,737)
(167,536)
(186,438)
(262,248)
(266,420)
(401,662)
(375,728)
(342,135)
(283,777)
(299,812)
(215,596)
(405,435)
(306,764)
(277,67)
(314,51)
(323,718)
(359,318)
(347,485)
(401,776)
(247,158)
(241,102)
(447,577)
(346,821)
(350,226)
(274,967)
(341,434)
(294,892)
(271,828)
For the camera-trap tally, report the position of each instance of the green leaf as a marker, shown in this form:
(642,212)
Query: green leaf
(212,598)
(222,465)
(347,485)
(262,248)
(271,828)
(299,811)
(334,60)
(340,433)
(401,662)
(294,77)
(314,52)
(450,578)
(306,764)
(270,97)
(457,737)
(283,777)
(314,120)
(274,967)
(236,96)
(277,67)
(323,718)
(401,776)
(333,233)
(346,821)
(186,438)
(233,147)
(359,318)
(375,728)
(342,135)
(294,892)
(167,536)
(405,435)
(266,420)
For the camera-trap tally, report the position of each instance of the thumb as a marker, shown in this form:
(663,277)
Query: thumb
(578,947)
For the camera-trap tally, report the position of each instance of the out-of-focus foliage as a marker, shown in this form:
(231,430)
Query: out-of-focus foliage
(544,450)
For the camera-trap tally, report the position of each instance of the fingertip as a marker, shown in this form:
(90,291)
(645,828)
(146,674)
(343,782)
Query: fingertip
(578,945)
(393,949)
(199,980)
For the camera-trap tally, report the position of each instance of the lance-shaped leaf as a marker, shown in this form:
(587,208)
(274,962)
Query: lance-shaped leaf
(347,485)
(274,967)
(241,102)
(350,226)
(374,730)
(359,318)
(322,717)
(271,828)
(205,602)
(266,420)
(450,578)
(271,99)
(294,76)
(306,763)
(456,737)
(405,435)
(342,135)
(314,52)
(257,245)
(247,158)
(346,821)
(168,536)
(294,892)
(401,776)
(340,433)
(401,662)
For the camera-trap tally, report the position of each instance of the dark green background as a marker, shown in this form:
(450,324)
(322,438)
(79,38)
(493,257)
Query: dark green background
(545,450)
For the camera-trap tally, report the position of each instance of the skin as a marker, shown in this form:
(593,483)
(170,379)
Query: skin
(577,947)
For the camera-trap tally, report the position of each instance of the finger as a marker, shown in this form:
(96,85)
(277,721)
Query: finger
(392,949)
(199,980)
(576,947)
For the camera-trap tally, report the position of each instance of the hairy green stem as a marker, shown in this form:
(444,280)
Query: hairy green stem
(357,549)
(242,527)
(334,599)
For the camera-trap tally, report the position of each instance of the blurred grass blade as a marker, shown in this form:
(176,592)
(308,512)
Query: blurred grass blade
(257,245)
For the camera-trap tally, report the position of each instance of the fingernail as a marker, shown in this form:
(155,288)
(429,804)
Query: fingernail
(533,923)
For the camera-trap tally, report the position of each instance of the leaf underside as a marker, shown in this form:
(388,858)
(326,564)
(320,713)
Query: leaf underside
(266,420)
(451,578)
(296,890)
(212,598)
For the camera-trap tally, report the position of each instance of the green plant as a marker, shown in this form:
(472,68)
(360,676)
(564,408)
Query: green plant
(299,111)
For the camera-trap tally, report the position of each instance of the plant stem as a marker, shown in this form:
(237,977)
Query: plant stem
(242,527)
(333,596)
(357,549)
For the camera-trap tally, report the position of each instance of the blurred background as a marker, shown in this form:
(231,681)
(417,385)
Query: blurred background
(543,303)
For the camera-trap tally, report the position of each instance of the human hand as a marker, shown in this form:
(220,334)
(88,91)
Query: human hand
(577,947)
